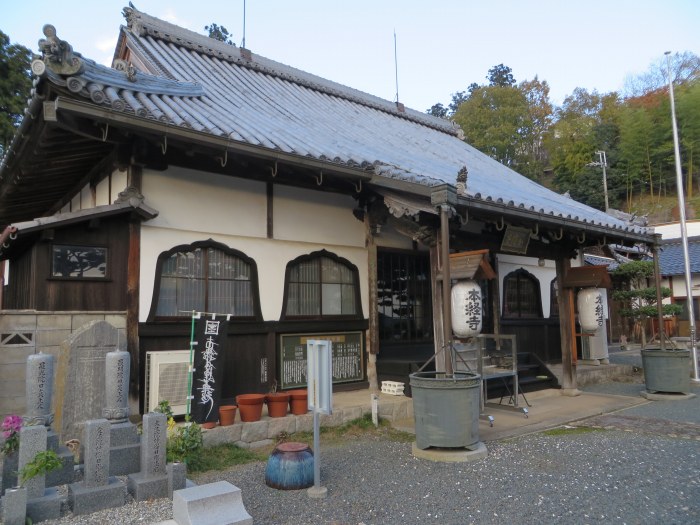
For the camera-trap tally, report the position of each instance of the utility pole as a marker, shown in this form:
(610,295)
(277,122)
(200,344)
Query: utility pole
(603,161)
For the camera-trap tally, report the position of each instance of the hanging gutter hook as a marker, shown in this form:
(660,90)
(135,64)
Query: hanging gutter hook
(223,160)
(164,145)
(105,130)
(581,240)
(536,231)
(273,171)
(604,241)
(560,236)
(319,180)
(503,224)
(358,187)
(464,220)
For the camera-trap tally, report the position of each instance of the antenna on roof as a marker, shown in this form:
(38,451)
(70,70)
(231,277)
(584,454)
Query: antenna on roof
(396,68)
(243,41)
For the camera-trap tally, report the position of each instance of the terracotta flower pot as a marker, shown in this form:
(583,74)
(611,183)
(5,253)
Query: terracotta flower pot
(298,401)
(227,414)
(250,406)
(208,425)
(277,404)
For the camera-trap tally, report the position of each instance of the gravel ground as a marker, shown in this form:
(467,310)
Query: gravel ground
(602,476)
(637,469)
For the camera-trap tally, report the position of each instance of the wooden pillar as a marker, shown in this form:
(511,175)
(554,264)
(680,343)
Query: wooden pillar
(567,329)
(372,340)
(495,285)
(134,179)
(436,292)
(446,287)
(659,298)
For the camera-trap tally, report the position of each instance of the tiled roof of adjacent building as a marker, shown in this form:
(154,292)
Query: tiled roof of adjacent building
(671,256)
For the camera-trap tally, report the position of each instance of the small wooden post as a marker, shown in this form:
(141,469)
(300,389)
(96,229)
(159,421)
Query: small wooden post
(437,307)
(134,179)
(446,291)
(373,332)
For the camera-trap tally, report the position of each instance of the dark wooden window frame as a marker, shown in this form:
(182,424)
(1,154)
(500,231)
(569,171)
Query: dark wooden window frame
(108,269)
(164,256)
(553,299)
(340,260)
(521,274)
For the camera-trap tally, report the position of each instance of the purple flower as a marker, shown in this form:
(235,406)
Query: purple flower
(11,426)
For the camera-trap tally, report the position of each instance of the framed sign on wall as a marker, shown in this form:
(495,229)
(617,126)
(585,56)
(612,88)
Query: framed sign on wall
(347,355)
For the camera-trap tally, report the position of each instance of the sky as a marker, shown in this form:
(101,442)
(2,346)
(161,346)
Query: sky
(442,46)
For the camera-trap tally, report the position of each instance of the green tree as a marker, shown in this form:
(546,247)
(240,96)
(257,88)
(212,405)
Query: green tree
(15,85)
(534,154)
(219,33)
(494,120)
(501,75)
(637,297)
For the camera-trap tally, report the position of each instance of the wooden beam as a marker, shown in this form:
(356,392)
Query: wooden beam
(373,332)
(134,178)
(567,329)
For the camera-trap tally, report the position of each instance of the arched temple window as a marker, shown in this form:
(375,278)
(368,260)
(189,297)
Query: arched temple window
(322,285)
(521,296)
(205,276)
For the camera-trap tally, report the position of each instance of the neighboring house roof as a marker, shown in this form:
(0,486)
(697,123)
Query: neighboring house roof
(671,261)
(595,260)
(217,90)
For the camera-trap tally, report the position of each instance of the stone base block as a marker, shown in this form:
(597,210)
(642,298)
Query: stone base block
(14,506)
(52,441)
(177,477)
(451,455)
(85,500)
(48,507)
(125,459)
(65,474)
(217,503)
(124,433)
(142,488)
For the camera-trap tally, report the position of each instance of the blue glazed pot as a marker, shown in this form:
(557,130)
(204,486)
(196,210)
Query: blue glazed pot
(290,467)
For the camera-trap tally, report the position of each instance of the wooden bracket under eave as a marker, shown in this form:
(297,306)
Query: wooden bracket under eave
(470,265)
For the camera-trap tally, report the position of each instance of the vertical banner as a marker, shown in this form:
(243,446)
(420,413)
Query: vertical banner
(210,337)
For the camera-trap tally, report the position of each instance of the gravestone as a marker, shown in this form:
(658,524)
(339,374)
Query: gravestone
(39,394)
(80,376)
(42,503)
(39,390)
(98,490)
(125,443)
(152,481)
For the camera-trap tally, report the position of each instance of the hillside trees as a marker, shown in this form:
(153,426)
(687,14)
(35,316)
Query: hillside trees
(15,84)
(516,124)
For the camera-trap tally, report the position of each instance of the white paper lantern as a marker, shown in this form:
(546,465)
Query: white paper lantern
(466,309)
(591,314)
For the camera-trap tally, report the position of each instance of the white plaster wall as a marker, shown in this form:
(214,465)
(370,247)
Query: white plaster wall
(315,216)
(86,200)
(203,202)
(102,192)
(677,285)
(544,274)
(672,230)
(196,206)
(75,203)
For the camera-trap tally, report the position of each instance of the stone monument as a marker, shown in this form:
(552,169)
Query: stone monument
(39,395)
(152,481)
(98,490)
(42,503)
(125,443)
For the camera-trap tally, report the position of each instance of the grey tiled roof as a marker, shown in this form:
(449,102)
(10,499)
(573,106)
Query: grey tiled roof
(671,256)
(193,81)
(595,260)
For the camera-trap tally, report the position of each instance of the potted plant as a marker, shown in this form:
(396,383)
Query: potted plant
(298,401)
(250,406)
(11,426)
(227,415)
(665,369)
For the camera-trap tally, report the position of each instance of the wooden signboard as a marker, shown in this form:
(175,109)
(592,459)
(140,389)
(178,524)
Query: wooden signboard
(348,358)
(585,276)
